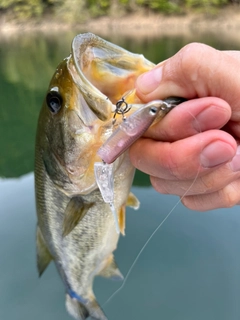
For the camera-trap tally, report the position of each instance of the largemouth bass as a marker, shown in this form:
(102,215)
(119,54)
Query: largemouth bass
(75,226)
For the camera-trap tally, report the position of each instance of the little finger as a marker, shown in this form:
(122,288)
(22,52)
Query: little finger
(227,197)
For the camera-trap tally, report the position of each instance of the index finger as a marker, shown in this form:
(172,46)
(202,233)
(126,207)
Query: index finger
(182,159)
(191,117)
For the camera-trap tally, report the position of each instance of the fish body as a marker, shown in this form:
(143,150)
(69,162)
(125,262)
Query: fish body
(75,226)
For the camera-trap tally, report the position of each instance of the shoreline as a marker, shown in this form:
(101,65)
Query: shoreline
(226,22)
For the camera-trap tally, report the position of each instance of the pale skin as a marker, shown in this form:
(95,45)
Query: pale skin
(187,154)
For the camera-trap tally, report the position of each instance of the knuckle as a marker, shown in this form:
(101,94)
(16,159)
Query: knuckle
(159,185)
(169,161)
(172,165)
(231,195)
(198,202)
(190,60)
(190,202)
(181,166)
(207,183)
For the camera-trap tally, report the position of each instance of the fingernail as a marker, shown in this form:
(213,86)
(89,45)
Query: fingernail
(150,80)
(235,163)
(216,153)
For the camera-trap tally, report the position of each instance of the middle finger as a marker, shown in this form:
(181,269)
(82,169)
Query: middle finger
(206,184)
(181,160)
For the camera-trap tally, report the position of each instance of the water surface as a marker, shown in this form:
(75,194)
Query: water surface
(190,269)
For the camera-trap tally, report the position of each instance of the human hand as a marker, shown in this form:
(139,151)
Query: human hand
(186,153)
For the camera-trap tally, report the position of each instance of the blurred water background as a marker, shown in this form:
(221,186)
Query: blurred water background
(190,270)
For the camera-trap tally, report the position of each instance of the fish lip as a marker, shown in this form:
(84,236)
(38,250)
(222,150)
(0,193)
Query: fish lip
(102,106)
(96,100)
(87,48)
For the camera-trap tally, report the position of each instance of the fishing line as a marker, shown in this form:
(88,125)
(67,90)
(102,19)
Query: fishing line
(148,240)
(152,235)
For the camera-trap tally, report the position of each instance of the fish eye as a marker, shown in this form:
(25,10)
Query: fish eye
(153,111)
(54,101)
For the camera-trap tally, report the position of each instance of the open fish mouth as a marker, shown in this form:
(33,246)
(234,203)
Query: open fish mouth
(104,72)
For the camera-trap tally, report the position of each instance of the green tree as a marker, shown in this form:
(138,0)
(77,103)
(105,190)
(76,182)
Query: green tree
(204,3)
(81,10)
(164,6)
(23,9)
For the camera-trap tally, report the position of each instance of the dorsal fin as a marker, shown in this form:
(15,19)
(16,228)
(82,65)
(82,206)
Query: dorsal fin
(43,255)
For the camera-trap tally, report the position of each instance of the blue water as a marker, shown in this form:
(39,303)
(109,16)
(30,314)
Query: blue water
(188,271)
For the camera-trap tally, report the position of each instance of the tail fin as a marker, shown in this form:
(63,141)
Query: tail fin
(81,311)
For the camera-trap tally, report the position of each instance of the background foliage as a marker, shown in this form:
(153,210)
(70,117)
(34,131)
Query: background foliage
(73,10)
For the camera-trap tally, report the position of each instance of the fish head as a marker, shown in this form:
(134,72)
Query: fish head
(76,117)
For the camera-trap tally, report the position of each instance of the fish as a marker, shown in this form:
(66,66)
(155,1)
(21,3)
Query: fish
(75,227)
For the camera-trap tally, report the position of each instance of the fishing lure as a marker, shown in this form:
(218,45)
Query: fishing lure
(134,127)
(122,138)
(104,178)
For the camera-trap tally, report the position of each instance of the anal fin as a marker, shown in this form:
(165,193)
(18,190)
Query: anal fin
(43,255)
(111,270)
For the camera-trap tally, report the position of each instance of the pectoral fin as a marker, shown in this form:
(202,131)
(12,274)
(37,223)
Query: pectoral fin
(133,201)
(75,211)
(111,270)
(43,255)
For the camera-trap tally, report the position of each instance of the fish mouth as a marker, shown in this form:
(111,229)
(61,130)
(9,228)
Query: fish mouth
(104,72)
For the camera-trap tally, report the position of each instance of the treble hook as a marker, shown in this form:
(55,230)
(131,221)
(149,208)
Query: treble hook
(122,107)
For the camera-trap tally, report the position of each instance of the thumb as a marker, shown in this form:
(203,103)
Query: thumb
(197,70)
